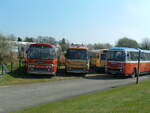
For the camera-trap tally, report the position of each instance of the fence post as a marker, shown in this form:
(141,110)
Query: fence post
(11,66)
(19,62)
(2,69)
(137,77)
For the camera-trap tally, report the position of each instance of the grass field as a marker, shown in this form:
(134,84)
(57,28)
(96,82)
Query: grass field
(10,80)
(20,77)
(126,99)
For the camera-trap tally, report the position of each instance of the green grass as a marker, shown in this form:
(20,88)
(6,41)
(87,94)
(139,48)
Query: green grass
(20,77)
(125,99)
(8,79)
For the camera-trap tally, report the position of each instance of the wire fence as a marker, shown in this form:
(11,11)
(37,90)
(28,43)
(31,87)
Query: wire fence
(3,69)
(10,67)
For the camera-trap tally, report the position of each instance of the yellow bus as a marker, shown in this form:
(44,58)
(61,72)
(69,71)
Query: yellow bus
(98,59)
(77,60)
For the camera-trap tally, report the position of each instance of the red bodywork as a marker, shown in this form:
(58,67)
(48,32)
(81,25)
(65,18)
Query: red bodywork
(127,68)
(42,66)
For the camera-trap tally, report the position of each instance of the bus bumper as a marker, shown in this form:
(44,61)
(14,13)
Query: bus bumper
(114,71)
(43,73)
(77,70)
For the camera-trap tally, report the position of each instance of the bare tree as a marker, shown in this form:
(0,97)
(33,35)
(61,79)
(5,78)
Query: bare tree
(5,49)
(29,39)
(46,39)
(90,46)
(12,37)
(64,43)
(99,46)
(145,44)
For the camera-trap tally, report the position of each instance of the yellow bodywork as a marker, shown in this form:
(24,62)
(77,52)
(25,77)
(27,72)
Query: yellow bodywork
(95,58)
(77,65)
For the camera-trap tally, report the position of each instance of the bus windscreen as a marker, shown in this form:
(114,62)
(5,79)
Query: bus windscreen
(116,56)
(77,54)
(41,52)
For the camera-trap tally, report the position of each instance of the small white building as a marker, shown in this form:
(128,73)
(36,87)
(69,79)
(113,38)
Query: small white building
(19,48)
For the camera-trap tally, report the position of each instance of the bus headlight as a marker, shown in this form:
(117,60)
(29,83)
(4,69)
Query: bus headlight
(30,66)
(87,66)
(69,68)
(31,69)
(52,65)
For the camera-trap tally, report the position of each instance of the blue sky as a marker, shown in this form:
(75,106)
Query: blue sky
(80,21)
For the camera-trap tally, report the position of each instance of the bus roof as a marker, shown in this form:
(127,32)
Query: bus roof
(98,50)
(124,49)
(146,51)
(39,44)
(77,47)
(128,49)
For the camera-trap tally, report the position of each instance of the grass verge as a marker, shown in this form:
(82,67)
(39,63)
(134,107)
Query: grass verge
(125,99)
(20,77)
(10,80)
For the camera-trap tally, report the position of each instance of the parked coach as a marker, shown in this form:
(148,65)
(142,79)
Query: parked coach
(42,59)
(124,61)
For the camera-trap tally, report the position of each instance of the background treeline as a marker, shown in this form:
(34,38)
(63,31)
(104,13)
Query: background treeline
(64,43)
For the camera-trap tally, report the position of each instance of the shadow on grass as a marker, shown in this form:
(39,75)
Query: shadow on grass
(20,73)
(105,77)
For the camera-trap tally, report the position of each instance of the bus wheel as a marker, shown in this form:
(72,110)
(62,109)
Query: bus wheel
(114,76)
(133,73)
(83,75)
(66,73)
(54,74)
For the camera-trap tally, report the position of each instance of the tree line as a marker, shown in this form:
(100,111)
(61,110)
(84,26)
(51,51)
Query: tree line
(123,42)
(6,45)
(64,43)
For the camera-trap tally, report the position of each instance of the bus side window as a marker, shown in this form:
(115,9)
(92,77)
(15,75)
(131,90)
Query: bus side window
(133,56)
(97,55)
(143,56)
(103,56)
(128,56)
(148,57)
(66,54)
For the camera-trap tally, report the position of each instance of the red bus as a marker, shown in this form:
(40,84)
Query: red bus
(42,59)
(124,61)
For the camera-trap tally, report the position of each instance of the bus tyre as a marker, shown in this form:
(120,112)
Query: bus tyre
(67,73)
(54,74)
(133,73)
(84,75)
(114,76)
